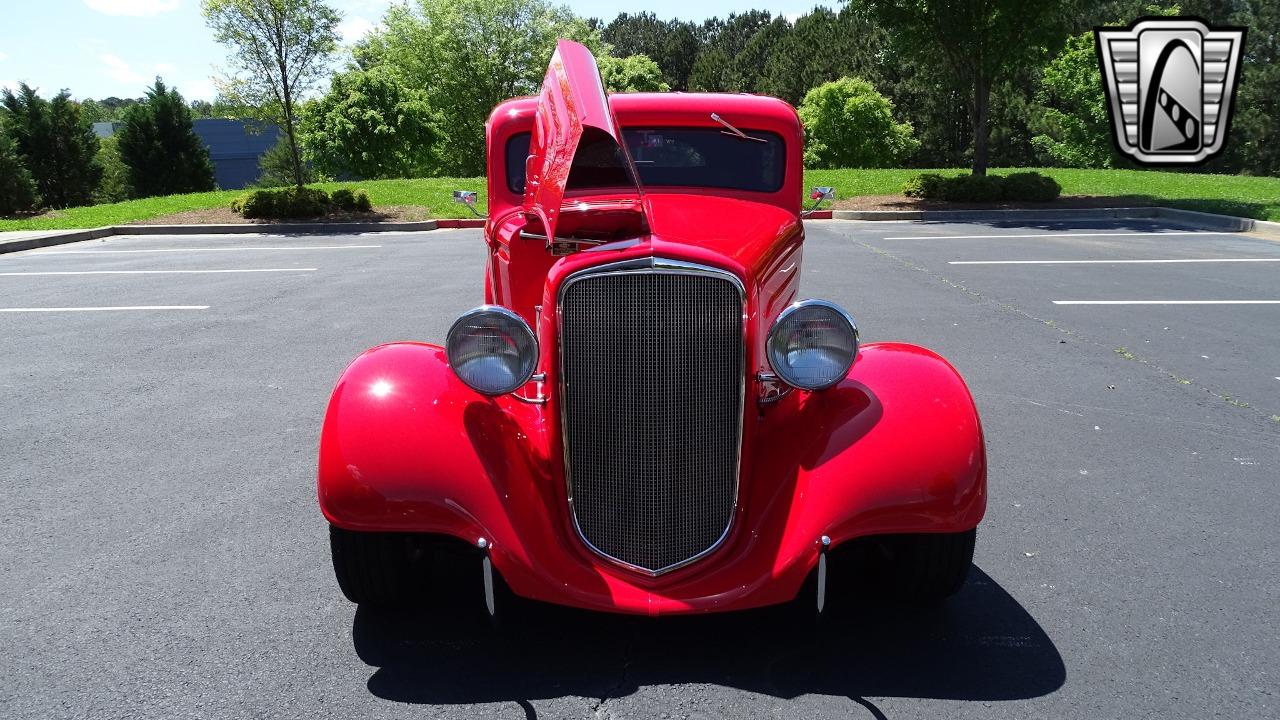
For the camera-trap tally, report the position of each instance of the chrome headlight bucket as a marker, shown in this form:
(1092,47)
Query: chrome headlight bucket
(812,344)
(492,350)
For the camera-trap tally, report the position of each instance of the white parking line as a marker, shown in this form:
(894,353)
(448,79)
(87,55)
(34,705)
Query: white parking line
(99,309)
(1166,302)
(1057,235)
(155,272)
(207,249)
(1110,262)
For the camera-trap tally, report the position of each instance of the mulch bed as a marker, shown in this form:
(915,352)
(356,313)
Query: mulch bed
(901,202)
(225,216)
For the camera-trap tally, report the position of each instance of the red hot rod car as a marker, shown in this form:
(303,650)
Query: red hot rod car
(642,418)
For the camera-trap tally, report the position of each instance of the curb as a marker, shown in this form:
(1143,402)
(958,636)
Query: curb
(1200,220)
(1012,215)
(274,228)
(57,237)
(61,237)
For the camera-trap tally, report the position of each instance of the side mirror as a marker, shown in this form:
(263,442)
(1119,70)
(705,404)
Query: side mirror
(468,198)
(817,195)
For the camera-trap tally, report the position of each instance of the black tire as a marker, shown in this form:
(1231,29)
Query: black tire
(384,569)
(928,568)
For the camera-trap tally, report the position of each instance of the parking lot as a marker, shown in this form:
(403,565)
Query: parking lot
(164,556)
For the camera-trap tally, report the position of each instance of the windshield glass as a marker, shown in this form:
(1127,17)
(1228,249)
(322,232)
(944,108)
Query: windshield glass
(707,157)
(668,157)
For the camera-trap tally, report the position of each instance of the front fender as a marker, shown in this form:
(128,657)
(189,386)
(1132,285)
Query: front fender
(406,446)
(896,447)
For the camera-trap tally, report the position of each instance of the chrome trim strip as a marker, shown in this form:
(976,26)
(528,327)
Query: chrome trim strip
(668,266)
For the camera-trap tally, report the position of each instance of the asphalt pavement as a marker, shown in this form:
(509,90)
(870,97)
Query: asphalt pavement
(163,555)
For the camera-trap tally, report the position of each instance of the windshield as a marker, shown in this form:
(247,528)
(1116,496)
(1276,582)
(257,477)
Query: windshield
(668,157)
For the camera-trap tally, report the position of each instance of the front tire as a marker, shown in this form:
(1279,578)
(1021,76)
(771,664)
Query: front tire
(379,568)
(930,567)
(919,569)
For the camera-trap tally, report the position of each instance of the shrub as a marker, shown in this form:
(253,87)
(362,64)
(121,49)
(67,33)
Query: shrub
(302,202)
(299,202)
(348,200)
(343,199)
(1031,187)
(1024,186)
(924,185)
(972,188)
(258,204)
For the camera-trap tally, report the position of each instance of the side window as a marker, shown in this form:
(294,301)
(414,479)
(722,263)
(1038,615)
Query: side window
(517,152)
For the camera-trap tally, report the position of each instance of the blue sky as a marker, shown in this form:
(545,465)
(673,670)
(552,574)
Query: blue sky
(99,48)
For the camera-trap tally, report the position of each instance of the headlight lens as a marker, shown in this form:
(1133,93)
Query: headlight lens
(492,350)
(813,344)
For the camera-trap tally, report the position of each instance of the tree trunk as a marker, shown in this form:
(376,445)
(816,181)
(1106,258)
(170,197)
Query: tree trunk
(981,108)
(286,96)
(293,140)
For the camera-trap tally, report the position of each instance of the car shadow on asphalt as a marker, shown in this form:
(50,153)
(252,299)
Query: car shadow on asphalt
(981,645)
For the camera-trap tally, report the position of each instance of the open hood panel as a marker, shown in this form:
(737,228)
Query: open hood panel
(572,102)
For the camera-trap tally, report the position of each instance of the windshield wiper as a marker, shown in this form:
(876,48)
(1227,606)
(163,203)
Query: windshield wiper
(735,131)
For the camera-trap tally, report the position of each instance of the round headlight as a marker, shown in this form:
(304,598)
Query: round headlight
(812,344)
(492,350)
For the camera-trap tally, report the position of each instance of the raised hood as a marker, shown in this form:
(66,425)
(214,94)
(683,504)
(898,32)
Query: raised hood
(572,102)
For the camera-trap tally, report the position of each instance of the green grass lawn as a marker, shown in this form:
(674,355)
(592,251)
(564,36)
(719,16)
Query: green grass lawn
(1255,197)
(435,194)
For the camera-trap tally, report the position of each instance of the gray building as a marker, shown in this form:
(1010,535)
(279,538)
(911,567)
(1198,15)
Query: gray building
(234,147)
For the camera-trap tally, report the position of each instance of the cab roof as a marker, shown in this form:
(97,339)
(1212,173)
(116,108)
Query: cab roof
(672,108)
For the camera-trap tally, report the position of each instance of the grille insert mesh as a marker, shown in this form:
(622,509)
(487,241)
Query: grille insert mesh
(653,405)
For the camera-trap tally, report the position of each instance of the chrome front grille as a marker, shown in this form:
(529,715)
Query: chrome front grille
(652,366)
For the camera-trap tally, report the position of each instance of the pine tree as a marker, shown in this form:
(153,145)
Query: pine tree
(159,146)
(56,143)
(17,190)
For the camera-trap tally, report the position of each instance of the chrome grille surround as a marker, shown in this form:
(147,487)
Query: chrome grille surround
(603,520)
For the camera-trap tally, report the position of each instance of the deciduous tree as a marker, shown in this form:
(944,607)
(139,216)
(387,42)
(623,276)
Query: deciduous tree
(469,55)
(279,50)
(114,186)
(978,42)
(369,125)
(634,73)
(848,124)
(673,44)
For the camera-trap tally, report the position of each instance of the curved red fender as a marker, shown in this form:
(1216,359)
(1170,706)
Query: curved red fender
(895,447)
